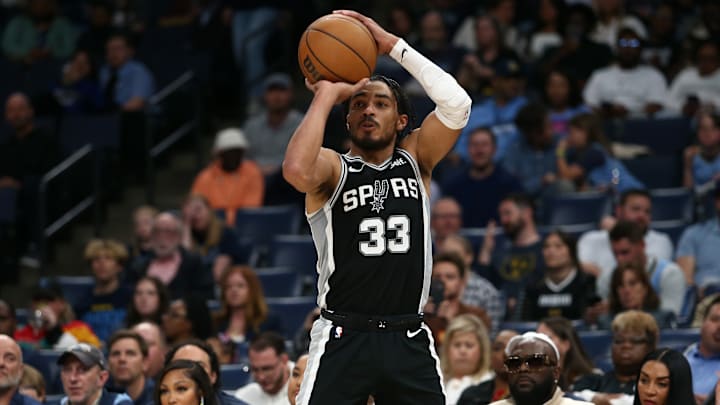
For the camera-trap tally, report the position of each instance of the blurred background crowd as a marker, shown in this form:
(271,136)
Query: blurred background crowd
(584,186)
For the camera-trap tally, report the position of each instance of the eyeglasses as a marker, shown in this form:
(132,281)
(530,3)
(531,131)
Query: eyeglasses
(629,43)
(632,340)
(534,362)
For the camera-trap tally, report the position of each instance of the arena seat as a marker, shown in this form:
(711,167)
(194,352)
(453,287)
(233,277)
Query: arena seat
(664,136)
(234,376)
(476,237)
(74,288)
(576,208)
(674,228)
(678,339)
(687,311)
(646,169)
(45,361)
(596,342)
(102,131)
(279,281)
(8,205)
(672,203)
(294,251)
(264,223)
(292,312)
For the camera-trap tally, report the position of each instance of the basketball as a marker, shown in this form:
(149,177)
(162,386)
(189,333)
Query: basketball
(337,48)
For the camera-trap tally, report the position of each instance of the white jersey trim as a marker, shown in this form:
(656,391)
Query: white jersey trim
(427,272)
(319,336)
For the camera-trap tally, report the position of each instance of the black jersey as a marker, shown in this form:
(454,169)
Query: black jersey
(373,239)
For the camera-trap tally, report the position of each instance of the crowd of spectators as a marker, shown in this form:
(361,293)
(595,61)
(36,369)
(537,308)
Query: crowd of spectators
(549,80)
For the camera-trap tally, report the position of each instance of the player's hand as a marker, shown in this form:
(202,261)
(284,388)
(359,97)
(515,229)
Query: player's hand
(385,40)
(339,90)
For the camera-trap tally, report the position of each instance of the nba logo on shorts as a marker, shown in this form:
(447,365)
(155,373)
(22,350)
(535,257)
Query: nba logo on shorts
(338,332)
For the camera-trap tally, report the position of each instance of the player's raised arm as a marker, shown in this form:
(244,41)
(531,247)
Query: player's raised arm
(441,128)
(307,165)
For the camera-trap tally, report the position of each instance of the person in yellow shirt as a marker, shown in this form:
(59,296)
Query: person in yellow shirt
(230,182)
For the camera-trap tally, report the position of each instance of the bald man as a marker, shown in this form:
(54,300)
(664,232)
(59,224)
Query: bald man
(11,369)
(531,360)
(156,344)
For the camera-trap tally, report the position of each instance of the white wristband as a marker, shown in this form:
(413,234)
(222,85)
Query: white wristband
(451,100)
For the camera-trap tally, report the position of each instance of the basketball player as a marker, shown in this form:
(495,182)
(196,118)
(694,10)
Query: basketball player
(369,214)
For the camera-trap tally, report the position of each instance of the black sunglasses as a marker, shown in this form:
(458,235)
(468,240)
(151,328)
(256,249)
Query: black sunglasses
(534,362)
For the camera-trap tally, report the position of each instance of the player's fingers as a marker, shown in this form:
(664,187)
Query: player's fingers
(360,84)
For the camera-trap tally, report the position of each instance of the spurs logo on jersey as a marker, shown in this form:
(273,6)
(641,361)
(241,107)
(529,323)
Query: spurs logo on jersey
(373,239)
(375,194)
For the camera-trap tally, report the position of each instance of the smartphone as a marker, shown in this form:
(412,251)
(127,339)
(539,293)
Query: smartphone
(437,291)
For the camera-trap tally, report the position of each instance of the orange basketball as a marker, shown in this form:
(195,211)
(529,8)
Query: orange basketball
(337,48)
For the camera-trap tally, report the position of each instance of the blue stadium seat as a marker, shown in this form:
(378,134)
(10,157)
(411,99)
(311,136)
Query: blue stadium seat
(664,136)
(262,224)
(45,361)
(292,312)
(519,326)
(77,130)
(74,288)
(672,203)
(476,236)
(687,311)
(234,376)
(279,281)
(8,205)
(647,169)
(294,251)
(21,315)
(575,230)
(678,339)
(213,305)
(674,228)
(576,208)
(596,342)
(53,399)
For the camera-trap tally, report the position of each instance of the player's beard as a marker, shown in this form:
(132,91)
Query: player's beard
(540,393)
(368,143)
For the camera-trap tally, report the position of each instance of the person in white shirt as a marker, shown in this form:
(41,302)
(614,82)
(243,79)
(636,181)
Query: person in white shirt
(698,85)
(666,277)
(594,249)
(270,369)
(626,88)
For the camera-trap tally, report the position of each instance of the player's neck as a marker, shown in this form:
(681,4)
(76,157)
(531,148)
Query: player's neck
(375,157)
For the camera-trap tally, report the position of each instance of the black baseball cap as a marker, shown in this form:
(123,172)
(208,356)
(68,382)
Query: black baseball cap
(87,354)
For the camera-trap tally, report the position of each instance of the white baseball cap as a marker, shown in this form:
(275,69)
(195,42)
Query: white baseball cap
(230,138)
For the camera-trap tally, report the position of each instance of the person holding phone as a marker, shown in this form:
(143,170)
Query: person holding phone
(446,289)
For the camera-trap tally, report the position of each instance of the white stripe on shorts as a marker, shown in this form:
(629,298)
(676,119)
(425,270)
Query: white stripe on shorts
(434,355)
(319,336)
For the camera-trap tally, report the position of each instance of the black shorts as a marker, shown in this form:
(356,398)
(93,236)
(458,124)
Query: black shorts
(345,366)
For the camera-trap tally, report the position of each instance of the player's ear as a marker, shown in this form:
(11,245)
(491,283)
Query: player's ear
(401,122)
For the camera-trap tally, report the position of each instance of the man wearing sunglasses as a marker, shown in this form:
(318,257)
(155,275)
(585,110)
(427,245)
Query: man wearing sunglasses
(531,361)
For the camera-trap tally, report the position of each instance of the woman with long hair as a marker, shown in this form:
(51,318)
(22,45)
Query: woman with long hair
(244,312)
(187,317)
(184,382)
(574,361)
(665,379)
(564,290)
(630,288)
(150,301)
(465,357)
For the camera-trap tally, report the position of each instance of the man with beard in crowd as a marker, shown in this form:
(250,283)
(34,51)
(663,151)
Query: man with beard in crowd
(532,364)
(518,259)
(11,370)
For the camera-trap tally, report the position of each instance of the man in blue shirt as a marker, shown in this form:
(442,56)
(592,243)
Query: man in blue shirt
(127,83)
(481,187)
(11,362)
(83,371)
(697,253)
(127,359)
(704,356)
